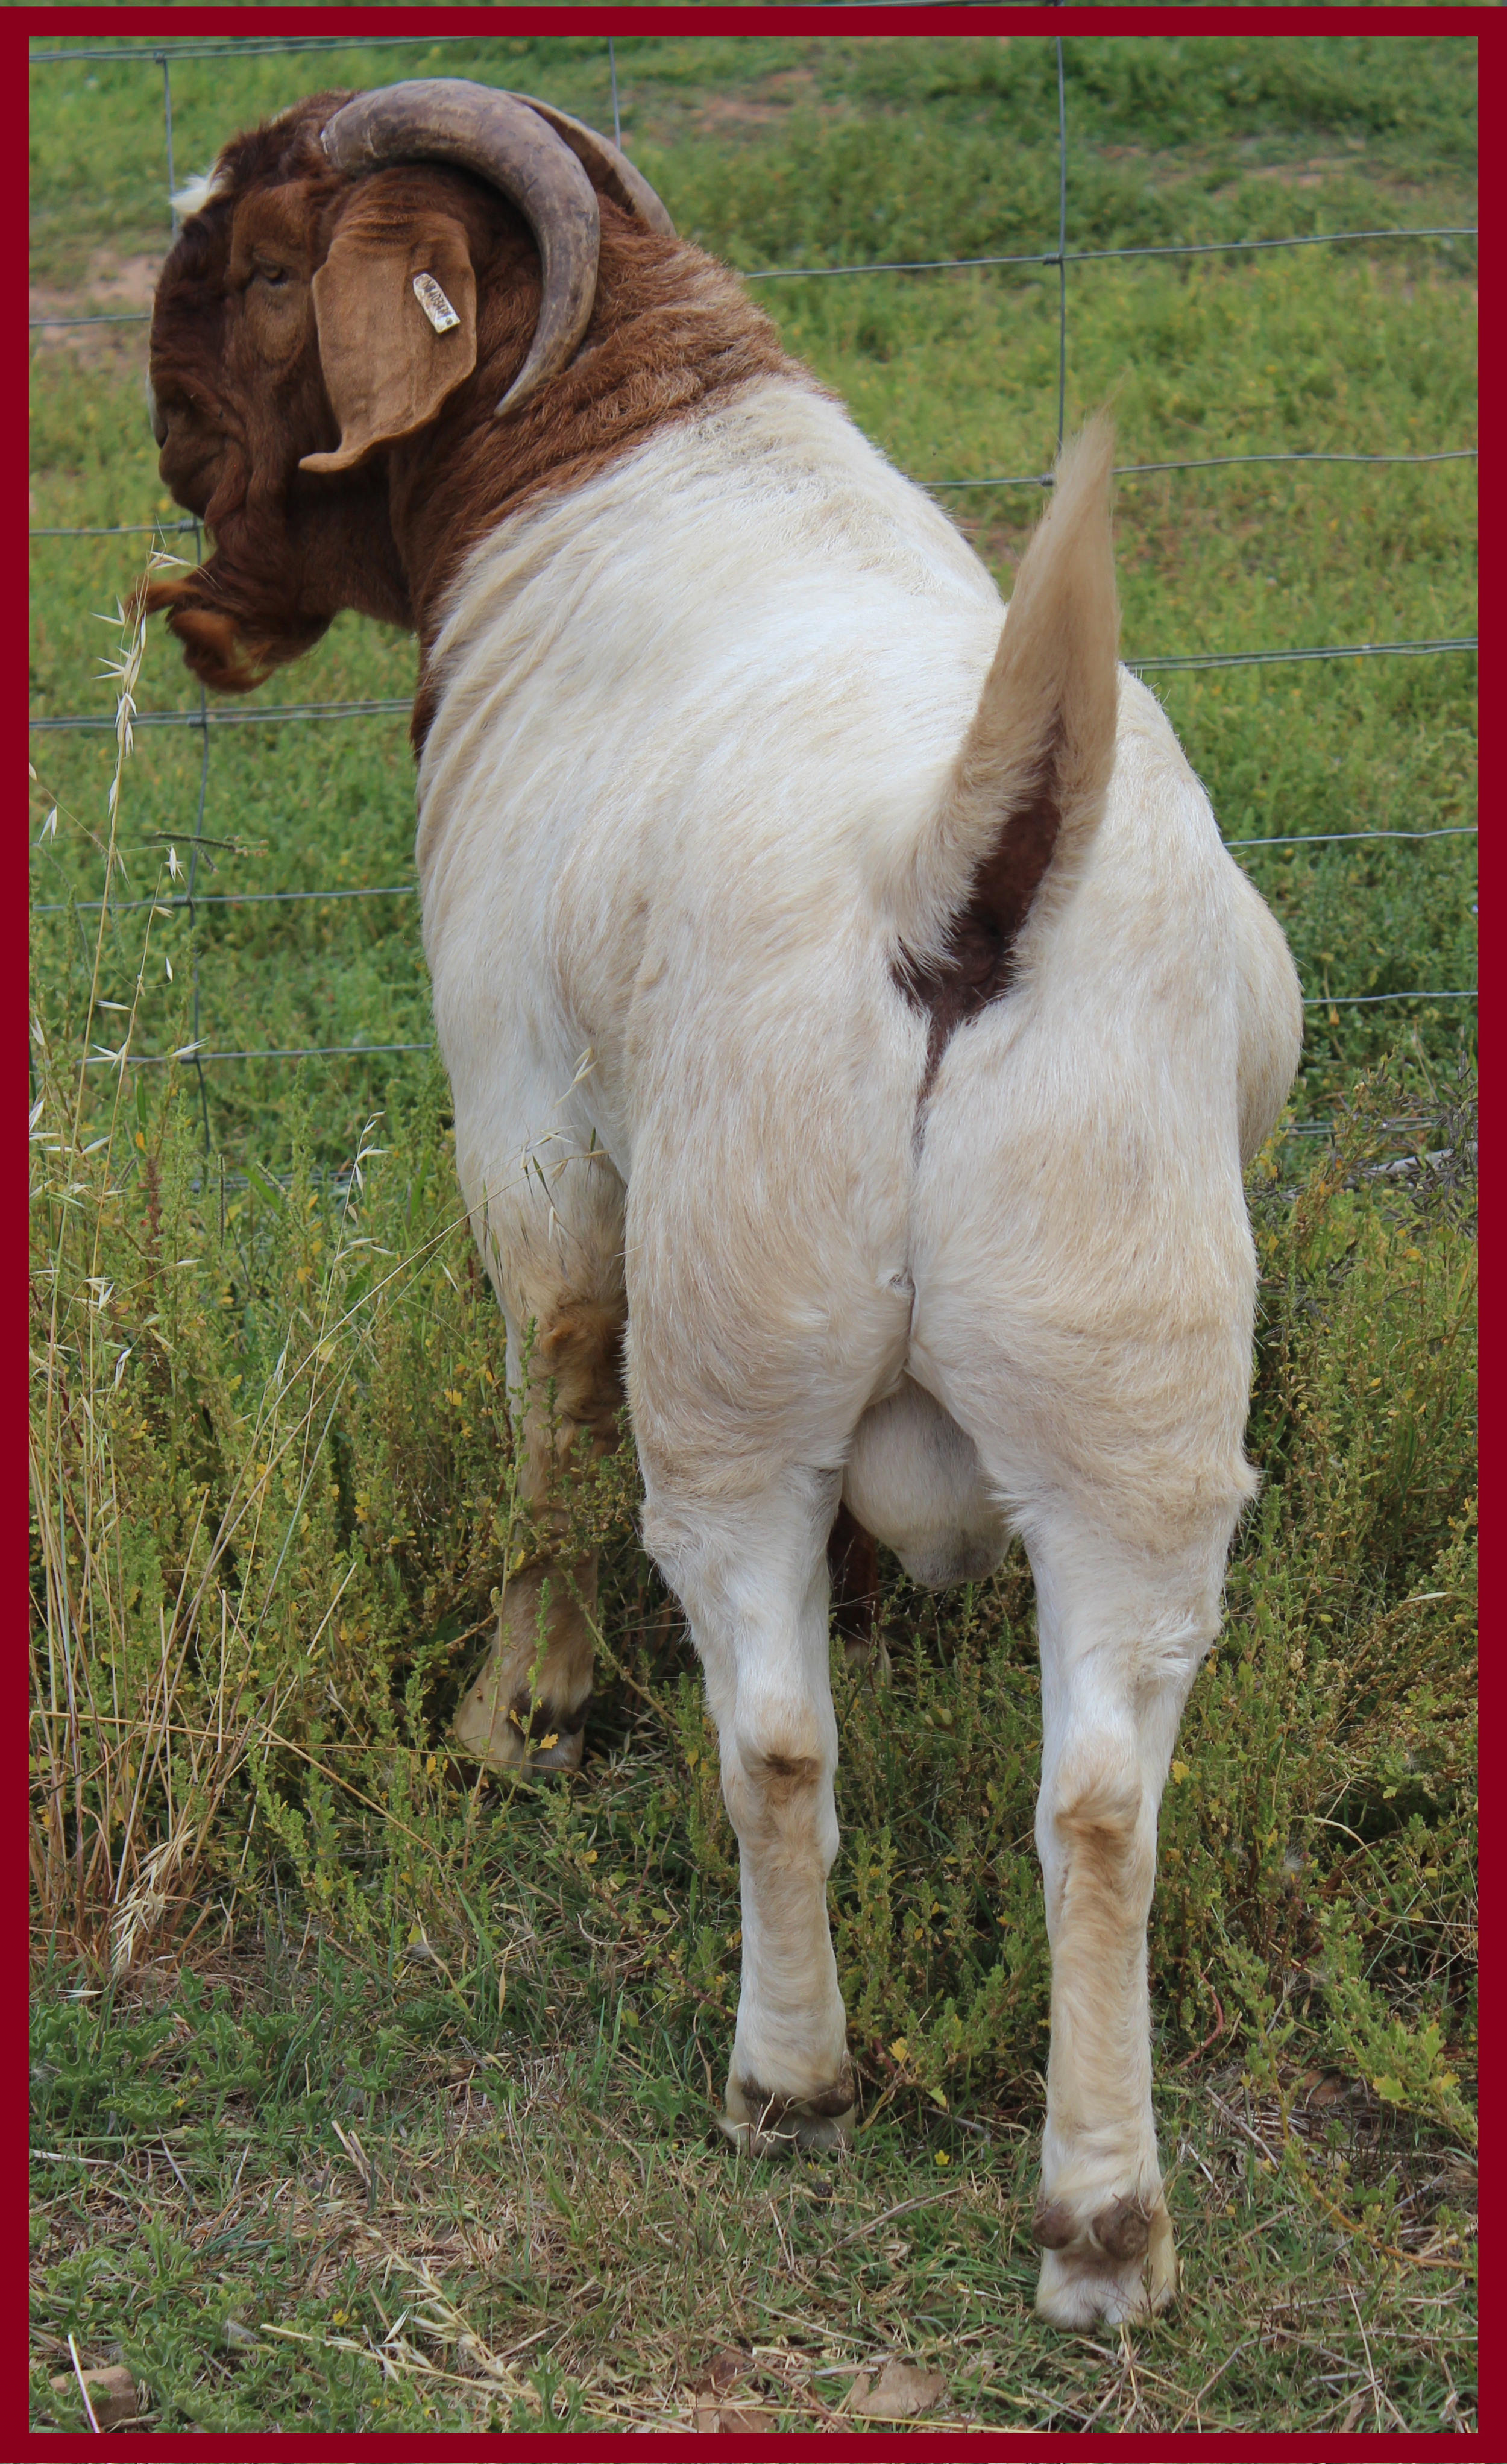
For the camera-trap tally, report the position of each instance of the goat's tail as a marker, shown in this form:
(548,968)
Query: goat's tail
(1028,786)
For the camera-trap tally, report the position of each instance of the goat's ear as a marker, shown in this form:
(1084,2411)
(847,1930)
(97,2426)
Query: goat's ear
(387,367)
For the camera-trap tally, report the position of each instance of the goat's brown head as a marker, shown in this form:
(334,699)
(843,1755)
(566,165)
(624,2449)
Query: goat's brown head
(354,266)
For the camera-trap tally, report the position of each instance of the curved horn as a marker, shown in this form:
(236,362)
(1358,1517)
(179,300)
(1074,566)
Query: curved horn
(609,169)
(503,141)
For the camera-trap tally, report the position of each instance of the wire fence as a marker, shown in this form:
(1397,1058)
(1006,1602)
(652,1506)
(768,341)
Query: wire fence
(206,719)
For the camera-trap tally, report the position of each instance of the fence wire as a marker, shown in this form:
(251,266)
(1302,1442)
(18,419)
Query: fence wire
(1066,256)
(102,1057)
(162,906)
(271,713)
(205,718)
(1057,256)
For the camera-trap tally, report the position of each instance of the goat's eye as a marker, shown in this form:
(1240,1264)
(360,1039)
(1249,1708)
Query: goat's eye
(272,274)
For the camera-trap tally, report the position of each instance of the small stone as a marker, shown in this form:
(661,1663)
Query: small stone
(112,2393)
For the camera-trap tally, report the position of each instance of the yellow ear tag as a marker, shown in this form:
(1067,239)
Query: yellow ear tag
(433,302)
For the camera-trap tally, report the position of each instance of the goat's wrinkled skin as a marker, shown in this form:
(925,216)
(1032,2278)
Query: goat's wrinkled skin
(855,1028)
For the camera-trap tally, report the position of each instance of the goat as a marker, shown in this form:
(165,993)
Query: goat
(926,1021)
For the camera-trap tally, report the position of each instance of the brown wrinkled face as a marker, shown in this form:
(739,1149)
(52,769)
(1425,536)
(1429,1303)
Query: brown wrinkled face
(239,397)
(232,335)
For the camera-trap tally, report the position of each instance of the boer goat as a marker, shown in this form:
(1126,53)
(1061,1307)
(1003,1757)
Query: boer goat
(926,1021)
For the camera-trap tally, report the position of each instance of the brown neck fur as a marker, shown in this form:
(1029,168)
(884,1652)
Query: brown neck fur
(670,332)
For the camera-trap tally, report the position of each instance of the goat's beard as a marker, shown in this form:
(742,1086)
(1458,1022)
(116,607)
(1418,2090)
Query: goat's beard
(234,625)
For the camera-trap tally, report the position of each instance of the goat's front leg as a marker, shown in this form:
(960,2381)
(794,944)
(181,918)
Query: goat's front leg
(1120,1641)
(527,1703)
(754,1581)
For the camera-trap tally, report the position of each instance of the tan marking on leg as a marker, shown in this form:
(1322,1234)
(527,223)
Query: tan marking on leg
(784,1778)
(1107,2244)
(534,1685)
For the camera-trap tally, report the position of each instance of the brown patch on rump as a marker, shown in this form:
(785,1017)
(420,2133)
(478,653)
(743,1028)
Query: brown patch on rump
(242,397)
(1029,784)
(979,965)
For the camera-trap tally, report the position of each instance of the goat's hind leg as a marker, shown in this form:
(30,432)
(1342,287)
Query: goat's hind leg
(558,1272)
(527,1703)
(1121,1636)
(753,1580)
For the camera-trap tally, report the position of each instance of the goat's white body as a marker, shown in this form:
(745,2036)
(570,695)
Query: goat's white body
(693,719)
(701,696)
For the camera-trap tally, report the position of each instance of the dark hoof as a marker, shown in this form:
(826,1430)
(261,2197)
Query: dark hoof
(1121,2231)
(1118,2265)
(1052,2227)
(519,1738)
(760,2120)
(1124,2229)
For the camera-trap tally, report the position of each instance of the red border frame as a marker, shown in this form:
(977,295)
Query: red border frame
(189,23)
(135,25)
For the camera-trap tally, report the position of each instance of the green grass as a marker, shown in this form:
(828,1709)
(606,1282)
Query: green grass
(270,1905)
(741,117)
(362,2174)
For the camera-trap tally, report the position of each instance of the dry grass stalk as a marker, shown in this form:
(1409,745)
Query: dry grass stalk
(133,1745)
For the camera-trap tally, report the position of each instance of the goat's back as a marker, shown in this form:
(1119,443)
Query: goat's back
(691,718)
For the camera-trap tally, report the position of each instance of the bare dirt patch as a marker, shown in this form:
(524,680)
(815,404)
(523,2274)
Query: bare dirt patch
(775,98)
(111,286)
